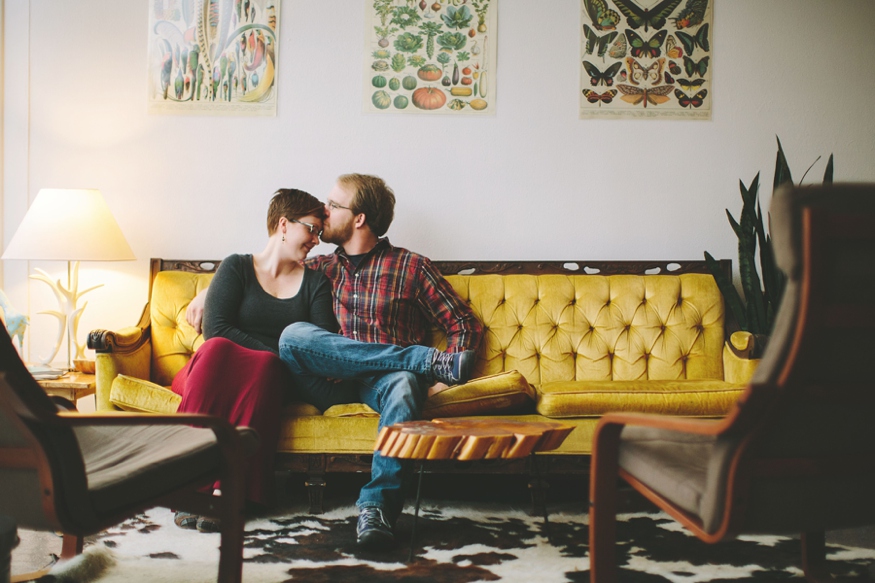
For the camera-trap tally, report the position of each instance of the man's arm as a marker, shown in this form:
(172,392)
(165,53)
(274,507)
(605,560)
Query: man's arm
(446,309)
(194,313)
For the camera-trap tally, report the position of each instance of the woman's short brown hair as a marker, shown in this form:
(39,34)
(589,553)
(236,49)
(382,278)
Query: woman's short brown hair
(373,198)
(292,203)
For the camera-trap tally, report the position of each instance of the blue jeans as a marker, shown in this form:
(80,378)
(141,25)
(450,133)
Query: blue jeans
(392,380)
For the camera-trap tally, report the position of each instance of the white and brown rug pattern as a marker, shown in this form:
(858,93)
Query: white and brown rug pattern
(464,542)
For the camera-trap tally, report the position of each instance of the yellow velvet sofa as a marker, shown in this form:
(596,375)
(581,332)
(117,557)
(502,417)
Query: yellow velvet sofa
(564,341)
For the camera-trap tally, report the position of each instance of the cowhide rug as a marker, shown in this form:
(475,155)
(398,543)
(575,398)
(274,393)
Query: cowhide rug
(456,542)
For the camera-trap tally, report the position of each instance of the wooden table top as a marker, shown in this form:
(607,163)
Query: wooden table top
(70,380)
(468,439)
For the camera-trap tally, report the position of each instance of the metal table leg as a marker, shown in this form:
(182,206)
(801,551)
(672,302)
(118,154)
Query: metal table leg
(415,513)
(537,474)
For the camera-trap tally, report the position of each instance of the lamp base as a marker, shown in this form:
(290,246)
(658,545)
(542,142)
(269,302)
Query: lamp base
(67,314)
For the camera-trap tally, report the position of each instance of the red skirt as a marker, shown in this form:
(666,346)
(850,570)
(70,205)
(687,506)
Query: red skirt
(247,388)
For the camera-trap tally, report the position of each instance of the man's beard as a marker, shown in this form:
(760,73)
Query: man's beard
(339,235)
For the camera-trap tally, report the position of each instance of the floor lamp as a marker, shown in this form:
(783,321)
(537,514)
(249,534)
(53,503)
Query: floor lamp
(69,225)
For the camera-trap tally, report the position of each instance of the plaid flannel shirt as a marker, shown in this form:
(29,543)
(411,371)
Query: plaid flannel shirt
(394,296)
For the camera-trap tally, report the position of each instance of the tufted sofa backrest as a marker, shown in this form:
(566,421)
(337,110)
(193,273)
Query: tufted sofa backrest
(550,327)
(592,327)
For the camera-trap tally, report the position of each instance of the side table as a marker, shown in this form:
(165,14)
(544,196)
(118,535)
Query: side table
(72,386)
(465,439)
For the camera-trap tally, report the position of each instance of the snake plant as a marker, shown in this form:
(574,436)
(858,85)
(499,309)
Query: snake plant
(763,287)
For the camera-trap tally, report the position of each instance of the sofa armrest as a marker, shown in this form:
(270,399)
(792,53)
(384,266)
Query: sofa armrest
(127,351)
(741,357)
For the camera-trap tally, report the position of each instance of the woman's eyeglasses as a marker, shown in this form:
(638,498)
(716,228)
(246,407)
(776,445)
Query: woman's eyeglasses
(314,230)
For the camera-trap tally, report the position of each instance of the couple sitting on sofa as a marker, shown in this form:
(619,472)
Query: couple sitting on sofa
(271,320)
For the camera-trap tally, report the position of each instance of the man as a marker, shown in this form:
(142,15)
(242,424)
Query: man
(386,299)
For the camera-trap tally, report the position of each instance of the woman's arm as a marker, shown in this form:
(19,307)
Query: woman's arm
(322,303)
(222,307)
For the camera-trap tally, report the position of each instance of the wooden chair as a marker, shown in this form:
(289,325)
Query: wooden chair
(78,474)
(797,453)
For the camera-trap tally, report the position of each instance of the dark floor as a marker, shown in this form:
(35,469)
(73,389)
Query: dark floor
(36,549)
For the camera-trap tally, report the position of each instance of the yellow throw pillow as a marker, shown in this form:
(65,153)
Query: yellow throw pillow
(503,393)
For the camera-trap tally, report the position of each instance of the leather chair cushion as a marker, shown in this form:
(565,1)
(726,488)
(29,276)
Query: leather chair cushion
(128,464)
(674,464)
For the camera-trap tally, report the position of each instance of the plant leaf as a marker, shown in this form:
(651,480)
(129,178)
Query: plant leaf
(735,226)
(827,175)
(730,295)
(782,169)
(747,265)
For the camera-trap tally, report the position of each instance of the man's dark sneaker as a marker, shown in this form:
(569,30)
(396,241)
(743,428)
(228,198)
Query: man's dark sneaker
(453,368)
(373,533)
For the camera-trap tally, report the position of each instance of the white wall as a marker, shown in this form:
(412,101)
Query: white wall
(545,184)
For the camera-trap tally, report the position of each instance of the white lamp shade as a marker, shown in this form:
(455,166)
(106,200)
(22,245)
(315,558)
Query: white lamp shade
(69,225)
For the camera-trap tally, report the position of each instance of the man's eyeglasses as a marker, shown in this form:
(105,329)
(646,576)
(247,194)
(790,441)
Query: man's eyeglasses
(334,206)
(314,230)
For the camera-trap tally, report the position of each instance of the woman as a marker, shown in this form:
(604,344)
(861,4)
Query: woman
(237,374)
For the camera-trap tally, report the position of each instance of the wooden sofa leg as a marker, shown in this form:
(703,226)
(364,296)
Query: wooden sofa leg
(315,492)
(814,557)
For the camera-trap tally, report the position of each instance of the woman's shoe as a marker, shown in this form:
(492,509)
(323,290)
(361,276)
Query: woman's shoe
(207,524)
(185,519)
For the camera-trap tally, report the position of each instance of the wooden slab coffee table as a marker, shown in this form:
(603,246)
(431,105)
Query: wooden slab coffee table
(465,439)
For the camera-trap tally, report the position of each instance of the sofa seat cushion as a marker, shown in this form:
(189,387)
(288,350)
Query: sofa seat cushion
(350,410)
(140,396)
(570,399)
(328,434)
(321,434)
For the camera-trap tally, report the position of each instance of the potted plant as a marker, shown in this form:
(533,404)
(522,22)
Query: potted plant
(763,285)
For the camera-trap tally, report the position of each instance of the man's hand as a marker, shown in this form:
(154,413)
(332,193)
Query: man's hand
(194,313)
(436,388)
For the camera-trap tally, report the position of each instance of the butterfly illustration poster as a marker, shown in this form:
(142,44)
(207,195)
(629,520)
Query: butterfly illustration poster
(646,59)
(213,57)
(430,56)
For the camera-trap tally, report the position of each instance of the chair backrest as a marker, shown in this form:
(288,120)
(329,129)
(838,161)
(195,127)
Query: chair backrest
(805,426)
(42,477)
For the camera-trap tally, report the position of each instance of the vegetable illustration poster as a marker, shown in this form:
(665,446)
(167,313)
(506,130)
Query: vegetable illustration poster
(430,56)
(215,57)
(646,59)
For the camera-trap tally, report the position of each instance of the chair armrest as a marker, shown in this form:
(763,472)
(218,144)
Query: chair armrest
(741,356)
(669,422)
(127,351)
(126,340)
(226,434)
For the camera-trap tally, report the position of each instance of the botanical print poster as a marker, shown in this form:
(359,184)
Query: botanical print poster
(646,59)
(430,56)
(215,57)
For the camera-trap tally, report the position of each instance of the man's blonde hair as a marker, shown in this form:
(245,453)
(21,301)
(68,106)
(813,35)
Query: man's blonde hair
(373,198)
